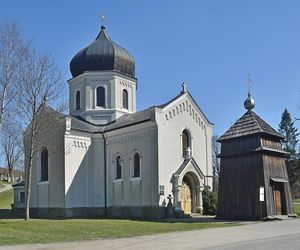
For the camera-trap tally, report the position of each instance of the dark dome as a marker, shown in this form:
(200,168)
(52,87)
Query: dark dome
(103,54)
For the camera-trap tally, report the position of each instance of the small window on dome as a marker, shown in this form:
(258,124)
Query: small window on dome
(100,96)
(77,98)
(125,99)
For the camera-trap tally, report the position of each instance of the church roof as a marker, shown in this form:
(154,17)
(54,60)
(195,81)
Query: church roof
(78,123)
(129,120)
(102,55)
(187,162)
(19,184)
(249,124)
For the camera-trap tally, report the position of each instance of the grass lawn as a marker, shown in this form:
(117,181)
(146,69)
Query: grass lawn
(17,231)
(6,198)
(2,185)
(297,209)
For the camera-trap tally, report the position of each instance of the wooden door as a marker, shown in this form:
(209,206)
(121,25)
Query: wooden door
(186,198)
(277,201)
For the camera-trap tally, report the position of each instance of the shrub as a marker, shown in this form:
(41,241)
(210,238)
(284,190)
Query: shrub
(209,201)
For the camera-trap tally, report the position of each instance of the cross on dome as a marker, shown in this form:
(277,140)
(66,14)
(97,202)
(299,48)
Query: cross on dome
(102,19)
(249,103)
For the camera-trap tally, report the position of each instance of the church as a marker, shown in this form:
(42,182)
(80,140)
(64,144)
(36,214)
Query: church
(106,159)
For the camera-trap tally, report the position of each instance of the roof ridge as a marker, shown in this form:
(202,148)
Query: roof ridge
(249,124)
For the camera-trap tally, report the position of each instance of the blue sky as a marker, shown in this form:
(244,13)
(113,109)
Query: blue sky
(210,45)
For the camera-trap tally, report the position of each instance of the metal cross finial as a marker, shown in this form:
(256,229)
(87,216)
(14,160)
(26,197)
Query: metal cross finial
(183,85)
(102,18)
(45,99)
(249,83)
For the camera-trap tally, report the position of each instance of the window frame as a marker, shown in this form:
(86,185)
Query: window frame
(189,142)
(77,105)
(115,179)
(123,99)
(20,197)
(43,178)
(104,96)
(132,166)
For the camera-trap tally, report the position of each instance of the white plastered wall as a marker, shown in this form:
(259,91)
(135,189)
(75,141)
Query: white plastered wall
(49,193)
(182,114)
(129,191)
(113,83)
(80,170)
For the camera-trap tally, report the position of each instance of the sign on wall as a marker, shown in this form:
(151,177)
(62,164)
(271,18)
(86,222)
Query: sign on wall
(261,194)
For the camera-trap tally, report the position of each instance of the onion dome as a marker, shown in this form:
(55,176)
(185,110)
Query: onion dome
(249,102)
(102,55)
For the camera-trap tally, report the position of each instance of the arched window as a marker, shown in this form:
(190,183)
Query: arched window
(186,142)
(136,169)
(100,96)
(44,165)
(118,168)
(125,99)
(77,102)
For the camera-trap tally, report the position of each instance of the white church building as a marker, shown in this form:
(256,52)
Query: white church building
(105,158)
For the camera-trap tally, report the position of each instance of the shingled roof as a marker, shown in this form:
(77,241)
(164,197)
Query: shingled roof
(249,124)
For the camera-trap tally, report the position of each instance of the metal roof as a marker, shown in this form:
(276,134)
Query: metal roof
(19,184)
(249,124)
(78,123)
(103,54)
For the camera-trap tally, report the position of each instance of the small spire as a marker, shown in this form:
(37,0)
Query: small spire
(249,103)
(45,100)
(249,83)
(102,20)
(183,85)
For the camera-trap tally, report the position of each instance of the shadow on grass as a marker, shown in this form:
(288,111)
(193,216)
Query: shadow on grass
(7,214)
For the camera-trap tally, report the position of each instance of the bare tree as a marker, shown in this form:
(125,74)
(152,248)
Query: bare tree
(12,51)
(216,150)
(11,141)
(40,83)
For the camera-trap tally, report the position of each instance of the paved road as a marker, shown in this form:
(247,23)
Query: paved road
(266,235)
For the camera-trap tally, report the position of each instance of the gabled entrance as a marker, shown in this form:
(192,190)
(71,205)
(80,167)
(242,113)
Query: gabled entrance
(187,188)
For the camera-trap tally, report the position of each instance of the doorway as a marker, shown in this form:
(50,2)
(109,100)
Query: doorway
(186,196)
(279,198)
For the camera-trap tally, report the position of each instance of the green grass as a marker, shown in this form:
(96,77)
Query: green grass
(6,198)
(2,184)
(297,209)
(17,231)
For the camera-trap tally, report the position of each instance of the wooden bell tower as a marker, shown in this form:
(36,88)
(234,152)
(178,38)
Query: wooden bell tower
(252,158)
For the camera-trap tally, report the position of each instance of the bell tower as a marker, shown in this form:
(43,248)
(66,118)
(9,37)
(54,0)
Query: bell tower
(103,87)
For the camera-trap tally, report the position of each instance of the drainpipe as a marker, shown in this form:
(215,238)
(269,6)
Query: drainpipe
(205,184)
(105,173)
